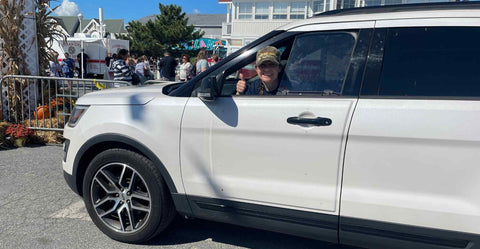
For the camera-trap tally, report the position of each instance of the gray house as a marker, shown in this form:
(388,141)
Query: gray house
(90,27)
(211,24)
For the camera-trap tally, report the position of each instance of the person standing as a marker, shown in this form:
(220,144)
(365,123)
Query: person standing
(120,69)
(55,68)
(68,66)
(142,69)
(215,59)
(167,67)
(107,59)
(202,63)
(82,65)
(185,68)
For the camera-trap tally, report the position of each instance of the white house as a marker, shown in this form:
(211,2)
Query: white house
(249,19)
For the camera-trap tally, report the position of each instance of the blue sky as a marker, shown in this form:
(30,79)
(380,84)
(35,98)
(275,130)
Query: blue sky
(133,9)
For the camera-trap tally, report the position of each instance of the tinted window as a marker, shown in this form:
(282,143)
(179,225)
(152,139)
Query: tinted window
(318,63)
(431,62)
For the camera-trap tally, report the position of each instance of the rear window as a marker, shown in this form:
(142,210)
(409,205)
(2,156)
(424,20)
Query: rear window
(431,62)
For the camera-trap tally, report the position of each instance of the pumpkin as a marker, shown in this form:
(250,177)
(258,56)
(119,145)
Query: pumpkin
(41,112)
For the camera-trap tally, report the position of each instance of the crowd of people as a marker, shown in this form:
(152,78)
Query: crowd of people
(136,70)
(167,68)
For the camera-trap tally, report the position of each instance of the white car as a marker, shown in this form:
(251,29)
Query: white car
(380,149)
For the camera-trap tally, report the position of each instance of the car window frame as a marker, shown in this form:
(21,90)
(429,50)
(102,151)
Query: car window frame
(358,57)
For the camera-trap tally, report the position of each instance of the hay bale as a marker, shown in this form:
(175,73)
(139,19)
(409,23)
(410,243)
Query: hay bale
(43,137)
(47,123)
(47,137)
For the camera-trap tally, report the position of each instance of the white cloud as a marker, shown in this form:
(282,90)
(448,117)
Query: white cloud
(196,11)
(67,8)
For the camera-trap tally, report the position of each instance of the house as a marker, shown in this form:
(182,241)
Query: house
(211,24)
(247,20)
(70,25)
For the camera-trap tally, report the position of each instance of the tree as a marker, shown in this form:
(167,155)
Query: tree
(166,31)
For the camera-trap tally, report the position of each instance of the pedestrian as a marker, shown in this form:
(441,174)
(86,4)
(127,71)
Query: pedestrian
(107,59)
(55,67)
(121,71)
(185,68)
(167,67)
(68,66)
(82,65)
(202,63)
(142,69)
(114,58)
(214,61)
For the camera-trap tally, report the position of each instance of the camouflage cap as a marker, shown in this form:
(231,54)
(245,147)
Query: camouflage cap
(268,54)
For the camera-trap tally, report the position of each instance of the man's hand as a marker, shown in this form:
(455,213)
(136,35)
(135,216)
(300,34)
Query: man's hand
(241,84)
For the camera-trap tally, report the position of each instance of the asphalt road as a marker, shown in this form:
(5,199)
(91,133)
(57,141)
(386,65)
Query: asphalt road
(38,210)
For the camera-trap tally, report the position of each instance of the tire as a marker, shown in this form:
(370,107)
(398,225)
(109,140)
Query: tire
(127,210)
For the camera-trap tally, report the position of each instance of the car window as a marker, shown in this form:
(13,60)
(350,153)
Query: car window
(318,63)
(431,62)
(247,68)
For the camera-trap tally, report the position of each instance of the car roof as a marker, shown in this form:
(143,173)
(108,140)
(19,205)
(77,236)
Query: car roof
(392,12)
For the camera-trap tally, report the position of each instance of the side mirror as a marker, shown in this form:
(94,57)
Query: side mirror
(207,91)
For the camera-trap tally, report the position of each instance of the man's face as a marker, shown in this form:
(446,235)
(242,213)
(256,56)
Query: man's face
(268,73)
(66,56)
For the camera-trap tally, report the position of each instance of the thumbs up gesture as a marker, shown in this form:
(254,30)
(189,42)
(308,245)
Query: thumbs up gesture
(241,84)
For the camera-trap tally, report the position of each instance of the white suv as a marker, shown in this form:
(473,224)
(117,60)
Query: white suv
(381,147)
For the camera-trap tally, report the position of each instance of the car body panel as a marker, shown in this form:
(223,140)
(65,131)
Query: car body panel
(243,149)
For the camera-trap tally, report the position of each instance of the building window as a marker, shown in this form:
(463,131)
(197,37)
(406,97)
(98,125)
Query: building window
(321,6)
(279,10)
(245,11)
(373,3)
(348,4)
(262,10)
(297,10)
(390,2)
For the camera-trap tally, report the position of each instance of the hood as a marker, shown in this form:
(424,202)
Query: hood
(132,95)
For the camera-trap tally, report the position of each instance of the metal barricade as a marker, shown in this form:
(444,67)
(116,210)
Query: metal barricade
(45,103)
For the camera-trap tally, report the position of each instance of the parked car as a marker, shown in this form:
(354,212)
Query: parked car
(396,166)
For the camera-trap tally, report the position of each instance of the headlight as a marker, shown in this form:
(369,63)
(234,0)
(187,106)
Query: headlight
(77,113)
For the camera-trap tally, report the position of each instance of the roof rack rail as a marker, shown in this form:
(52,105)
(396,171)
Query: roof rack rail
(401,7)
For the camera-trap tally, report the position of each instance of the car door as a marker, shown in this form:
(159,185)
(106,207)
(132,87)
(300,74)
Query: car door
(412,154)
(283,151)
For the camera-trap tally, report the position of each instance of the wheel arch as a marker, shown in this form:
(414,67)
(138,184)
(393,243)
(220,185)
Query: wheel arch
(103,142)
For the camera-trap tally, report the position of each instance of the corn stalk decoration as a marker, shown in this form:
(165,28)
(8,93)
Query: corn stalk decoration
(11,20)
(47,32)
(12,17)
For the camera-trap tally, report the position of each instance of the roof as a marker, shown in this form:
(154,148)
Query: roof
(71,25)
(197,20)
(68,23)
(389,12)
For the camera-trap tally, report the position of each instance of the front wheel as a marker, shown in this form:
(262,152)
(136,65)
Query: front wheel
(126,197)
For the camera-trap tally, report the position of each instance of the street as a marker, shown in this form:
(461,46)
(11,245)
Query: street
(38,210)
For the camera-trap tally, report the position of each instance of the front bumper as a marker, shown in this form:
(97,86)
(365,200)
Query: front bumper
(71,182)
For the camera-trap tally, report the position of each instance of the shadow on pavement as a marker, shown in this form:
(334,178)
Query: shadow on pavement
(189,231)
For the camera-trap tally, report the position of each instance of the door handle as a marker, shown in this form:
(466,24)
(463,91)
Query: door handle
(318,121)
